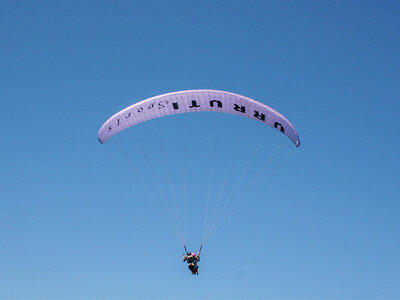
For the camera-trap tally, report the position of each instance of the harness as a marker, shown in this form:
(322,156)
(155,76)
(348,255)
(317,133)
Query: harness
(191,259)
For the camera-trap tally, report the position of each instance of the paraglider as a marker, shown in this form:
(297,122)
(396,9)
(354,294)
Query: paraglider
(192,260)
(183,102)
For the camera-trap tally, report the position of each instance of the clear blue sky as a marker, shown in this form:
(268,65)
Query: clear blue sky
(76,224)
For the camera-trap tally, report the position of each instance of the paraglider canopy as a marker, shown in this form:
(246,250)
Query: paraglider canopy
(196,101)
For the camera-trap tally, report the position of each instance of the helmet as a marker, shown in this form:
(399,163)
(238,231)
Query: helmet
(193,254)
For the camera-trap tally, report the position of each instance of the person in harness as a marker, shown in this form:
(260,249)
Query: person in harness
(192,259)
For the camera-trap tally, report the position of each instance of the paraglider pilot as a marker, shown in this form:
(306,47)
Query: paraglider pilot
(192,259)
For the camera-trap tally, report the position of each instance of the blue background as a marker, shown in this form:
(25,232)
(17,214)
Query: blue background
(68,226)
